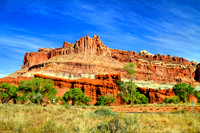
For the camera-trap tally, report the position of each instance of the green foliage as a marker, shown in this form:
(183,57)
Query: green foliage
(173,99)
(130,69)
(183,90)
(37,90)
(179,111)
(102,100)
(104,112)
(136,97)
(197,95)
(8,92)
(126,86)
(117,125)
(77,97)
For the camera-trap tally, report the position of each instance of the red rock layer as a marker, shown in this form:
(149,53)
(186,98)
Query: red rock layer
(159,68)
(13,81)
(94,46)
(158,95)
(102,85)
(93,88)
(86,46)
(31,59)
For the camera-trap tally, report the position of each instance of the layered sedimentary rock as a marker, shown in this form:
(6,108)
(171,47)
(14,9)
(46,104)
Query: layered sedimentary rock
(89,56)
(101,85)
(158,95)
(85,46)
(13,81)
(31,59)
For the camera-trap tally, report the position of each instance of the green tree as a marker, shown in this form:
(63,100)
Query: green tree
(105,100)
(126,89)
(130,70)
(197,95)
(183,90)
(77,97)
(8,92)
(37,90)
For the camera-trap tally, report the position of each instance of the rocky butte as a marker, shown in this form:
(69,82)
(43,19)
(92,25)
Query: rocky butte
(95,68)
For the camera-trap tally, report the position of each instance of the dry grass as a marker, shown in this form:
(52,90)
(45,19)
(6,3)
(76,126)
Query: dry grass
(59,119)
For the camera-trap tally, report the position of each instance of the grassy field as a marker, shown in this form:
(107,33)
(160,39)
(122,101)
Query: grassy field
(53,118)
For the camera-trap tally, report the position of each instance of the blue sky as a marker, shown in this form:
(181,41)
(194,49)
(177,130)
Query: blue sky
(158,26)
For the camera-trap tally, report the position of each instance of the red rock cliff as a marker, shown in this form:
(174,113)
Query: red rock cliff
(102,85)
(86,46)
(159,68)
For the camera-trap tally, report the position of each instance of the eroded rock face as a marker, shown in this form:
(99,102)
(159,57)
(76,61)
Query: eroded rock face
(159,68)
(101,85)
(158,95)
(13,81)
(85,46)
(144,53)
(31,59)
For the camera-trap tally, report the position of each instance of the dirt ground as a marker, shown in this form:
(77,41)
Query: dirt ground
(157,109)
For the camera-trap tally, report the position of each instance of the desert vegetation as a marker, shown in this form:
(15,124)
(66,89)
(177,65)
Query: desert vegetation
(35,114)
(183,92)
(65,118)
(42,91)
(76,96)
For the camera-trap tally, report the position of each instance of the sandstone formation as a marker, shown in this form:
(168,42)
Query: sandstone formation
(13,81)
(144,53)
(84,64)
(86,46)
(89,57)
(101,85)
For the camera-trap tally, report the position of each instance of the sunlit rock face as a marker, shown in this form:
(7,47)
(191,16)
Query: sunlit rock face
(89,57)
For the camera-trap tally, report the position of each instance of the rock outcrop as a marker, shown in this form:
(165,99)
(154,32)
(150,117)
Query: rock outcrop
(144,53)
(101,85)
(158,95)
(85,46)
(31,59)
(96,58)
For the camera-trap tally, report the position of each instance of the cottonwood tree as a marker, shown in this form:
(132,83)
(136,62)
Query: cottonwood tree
(126,88)
(183,90)
(37,90)
(8,92)
(130,70)
(76,96)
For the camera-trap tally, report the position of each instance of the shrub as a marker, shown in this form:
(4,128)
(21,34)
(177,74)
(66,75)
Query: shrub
(138,98)
(77,97)
(37,90)
(173,99)
(197,95)
(183,90)
(118,125)
(104,112)
(8,92)
(102,100)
